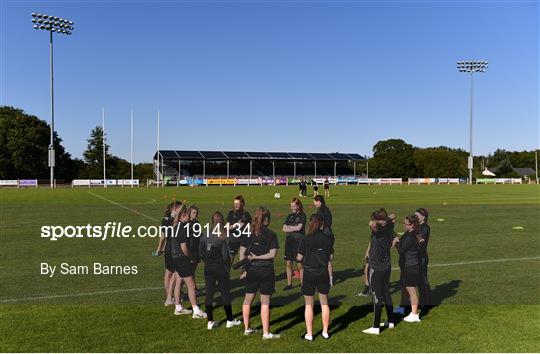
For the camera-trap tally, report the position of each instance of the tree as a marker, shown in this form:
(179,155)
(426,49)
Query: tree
(144,171)
(441,162)
(393,158)
(24,143)
(93,155)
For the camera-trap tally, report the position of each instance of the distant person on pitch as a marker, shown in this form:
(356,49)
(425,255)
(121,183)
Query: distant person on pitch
(315,187)
(326,187)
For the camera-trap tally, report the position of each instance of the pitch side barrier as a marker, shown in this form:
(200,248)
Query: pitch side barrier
(101,183)
(19,183)
(499,181)
(436,181)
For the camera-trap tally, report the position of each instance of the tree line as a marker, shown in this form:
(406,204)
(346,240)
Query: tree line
(24,141)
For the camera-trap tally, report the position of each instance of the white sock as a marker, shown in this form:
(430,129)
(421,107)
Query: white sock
(179,307)
(196,309)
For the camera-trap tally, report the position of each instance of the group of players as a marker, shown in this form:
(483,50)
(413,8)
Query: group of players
(303,184)
(308,243)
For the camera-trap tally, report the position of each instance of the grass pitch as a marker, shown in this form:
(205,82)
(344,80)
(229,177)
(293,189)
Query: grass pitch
(484,272)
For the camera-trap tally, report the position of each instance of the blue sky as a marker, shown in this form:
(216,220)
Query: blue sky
(278,75)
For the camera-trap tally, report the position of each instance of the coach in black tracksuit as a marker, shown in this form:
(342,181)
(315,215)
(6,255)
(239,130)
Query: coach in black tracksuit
(424,287)
(214,252)
(380,267)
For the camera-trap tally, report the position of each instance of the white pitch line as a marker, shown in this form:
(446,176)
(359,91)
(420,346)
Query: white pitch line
(122,206)
(480,262)
(80,294)
(160,287)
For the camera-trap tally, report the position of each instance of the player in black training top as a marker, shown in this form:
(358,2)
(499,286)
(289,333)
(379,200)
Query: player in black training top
(303,187)
(315,187)
(382,234)
(407,248)
(326,187)
(214,252)
(164,245)
(195,231)
(260,249)
(184,265)
(238,223)
(294,227)
(322,210)
(424,232)
(314,252)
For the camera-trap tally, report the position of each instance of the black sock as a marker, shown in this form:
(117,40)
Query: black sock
(377,316)
(390,313)
(210,312)
(228,312)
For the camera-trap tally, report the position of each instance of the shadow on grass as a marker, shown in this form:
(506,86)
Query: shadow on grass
(353,314)
(440,293)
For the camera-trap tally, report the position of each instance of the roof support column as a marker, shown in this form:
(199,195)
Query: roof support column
(227,169)
(354,169)
(204,170)
(179,172)
(294,169)
(274,171)
(250,171)
(315,173)
(335,169)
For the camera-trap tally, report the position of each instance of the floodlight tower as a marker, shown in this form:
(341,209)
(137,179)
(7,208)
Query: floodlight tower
(60,26)
(471,67)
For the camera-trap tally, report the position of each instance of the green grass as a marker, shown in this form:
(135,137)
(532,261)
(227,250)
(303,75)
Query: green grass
(492,306)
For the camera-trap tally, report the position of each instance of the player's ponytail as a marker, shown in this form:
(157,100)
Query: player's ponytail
(316,222)
(261,218)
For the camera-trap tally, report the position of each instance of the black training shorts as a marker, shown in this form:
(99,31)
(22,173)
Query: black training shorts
(184,267)
(315,280)
(291,248)
(260,279)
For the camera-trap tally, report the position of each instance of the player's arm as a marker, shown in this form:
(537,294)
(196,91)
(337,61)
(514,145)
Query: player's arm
(270,255)
(366,256)
(161,242)
(295,228)
(185,250)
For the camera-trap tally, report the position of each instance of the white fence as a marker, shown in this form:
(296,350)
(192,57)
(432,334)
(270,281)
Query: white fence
(100,182)
(19,183)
